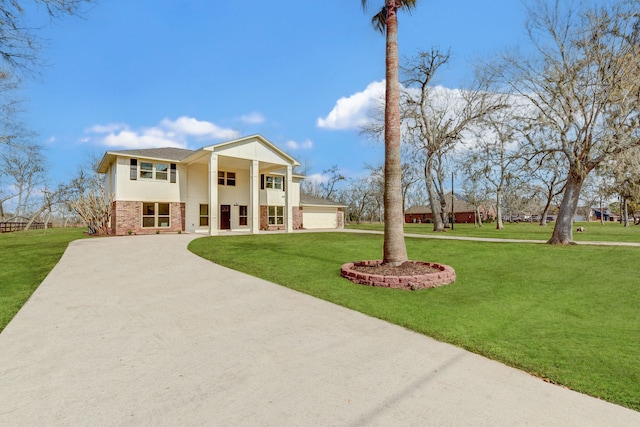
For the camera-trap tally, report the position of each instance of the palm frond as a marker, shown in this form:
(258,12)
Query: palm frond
(379,20)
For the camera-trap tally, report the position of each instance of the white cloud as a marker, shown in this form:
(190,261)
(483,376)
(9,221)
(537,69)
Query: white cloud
(304,145)
(316,179)
(354,111)
(169,133)
(253,118)
(193,127)
(108,128)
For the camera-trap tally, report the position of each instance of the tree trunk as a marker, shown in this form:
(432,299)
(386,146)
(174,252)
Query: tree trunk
(499,223)
(563,230)
(434,202)
(601,212)
(543,217)
(395,252)
(478,219)
(625,212)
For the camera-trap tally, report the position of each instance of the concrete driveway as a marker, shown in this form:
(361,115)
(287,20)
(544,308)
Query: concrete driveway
(138,331)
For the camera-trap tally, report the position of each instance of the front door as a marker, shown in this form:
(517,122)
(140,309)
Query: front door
(225,217)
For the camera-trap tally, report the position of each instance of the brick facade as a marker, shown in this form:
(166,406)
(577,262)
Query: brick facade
(297,218)
(340,221)
(264,219)
(126,218)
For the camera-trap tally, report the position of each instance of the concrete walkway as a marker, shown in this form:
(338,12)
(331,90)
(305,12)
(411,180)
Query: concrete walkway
(139,331)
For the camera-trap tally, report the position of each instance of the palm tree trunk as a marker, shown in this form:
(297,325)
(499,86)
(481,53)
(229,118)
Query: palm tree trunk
(395,252)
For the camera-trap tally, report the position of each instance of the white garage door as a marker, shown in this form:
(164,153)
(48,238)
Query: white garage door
(316,217)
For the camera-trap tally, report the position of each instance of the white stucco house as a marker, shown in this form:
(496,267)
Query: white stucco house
(246,184)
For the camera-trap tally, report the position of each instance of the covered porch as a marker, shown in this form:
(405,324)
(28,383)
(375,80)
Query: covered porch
(245,185)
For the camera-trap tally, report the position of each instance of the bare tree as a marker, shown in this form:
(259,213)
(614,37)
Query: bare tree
(436,120)
(624,171)
(549,173)
(23,167)
(495,159)
(583,86)
(86,196)
(475,196)
(19,43)
(363,197)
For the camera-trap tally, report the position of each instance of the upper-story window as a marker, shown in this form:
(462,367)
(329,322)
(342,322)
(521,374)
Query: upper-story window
(226,178)
(146,170)
(274,182)
(159,171)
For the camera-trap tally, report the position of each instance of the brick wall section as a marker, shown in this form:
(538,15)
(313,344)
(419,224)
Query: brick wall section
(443,276)
(113,219)
(340,215)
(127,216)
(264,220)
(297,218)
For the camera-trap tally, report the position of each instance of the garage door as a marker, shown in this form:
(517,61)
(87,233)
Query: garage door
(315,217)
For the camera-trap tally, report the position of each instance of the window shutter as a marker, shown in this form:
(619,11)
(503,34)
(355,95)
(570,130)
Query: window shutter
(173,173)
(133,169)
(262,181)
(283,182)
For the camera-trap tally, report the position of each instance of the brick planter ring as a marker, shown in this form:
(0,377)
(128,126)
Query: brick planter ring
(444,276)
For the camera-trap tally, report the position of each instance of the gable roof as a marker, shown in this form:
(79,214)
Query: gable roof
(240,148)
(309,200)
(166,153)
(234,148)
(170,154)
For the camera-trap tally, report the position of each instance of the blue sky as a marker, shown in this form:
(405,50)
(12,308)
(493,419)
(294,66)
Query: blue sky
(152,73)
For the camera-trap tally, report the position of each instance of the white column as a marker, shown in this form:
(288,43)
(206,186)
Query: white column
(254,196)
(213,195)
(288,196)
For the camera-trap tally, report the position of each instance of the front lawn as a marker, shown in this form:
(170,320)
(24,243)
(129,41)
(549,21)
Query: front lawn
(26,257)
(609,231)
(569,314)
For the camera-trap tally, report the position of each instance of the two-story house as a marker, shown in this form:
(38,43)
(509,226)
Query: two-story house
(245,184)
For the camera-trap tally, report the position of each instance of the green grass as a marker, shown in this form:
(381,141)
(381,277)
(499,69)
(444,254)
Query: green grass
(26,257)
(609,231)
(569,314)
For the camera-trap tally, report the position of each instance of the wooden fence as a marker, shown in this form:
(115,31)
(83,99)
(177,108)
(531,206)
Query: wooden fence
(8,227)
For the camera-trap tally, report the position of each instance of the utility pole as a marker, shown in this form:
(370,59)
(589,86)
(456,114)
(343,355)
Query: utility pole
(453,215)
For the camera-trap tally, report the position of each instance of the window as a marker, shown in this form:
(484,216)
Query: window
(226,178)
(243,215)
(161,171)
(146,170)
(274,182)
(231,178)
(163,215)
(155,215)
(276,215)
(204,215)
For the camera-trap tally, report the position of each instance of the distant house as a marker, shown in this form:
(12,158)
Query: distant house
(463,211)
(245,184)
(605,214)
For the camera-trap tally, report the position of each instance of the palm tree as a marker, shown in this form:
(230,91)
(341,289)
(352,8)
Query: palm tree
(395,252)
